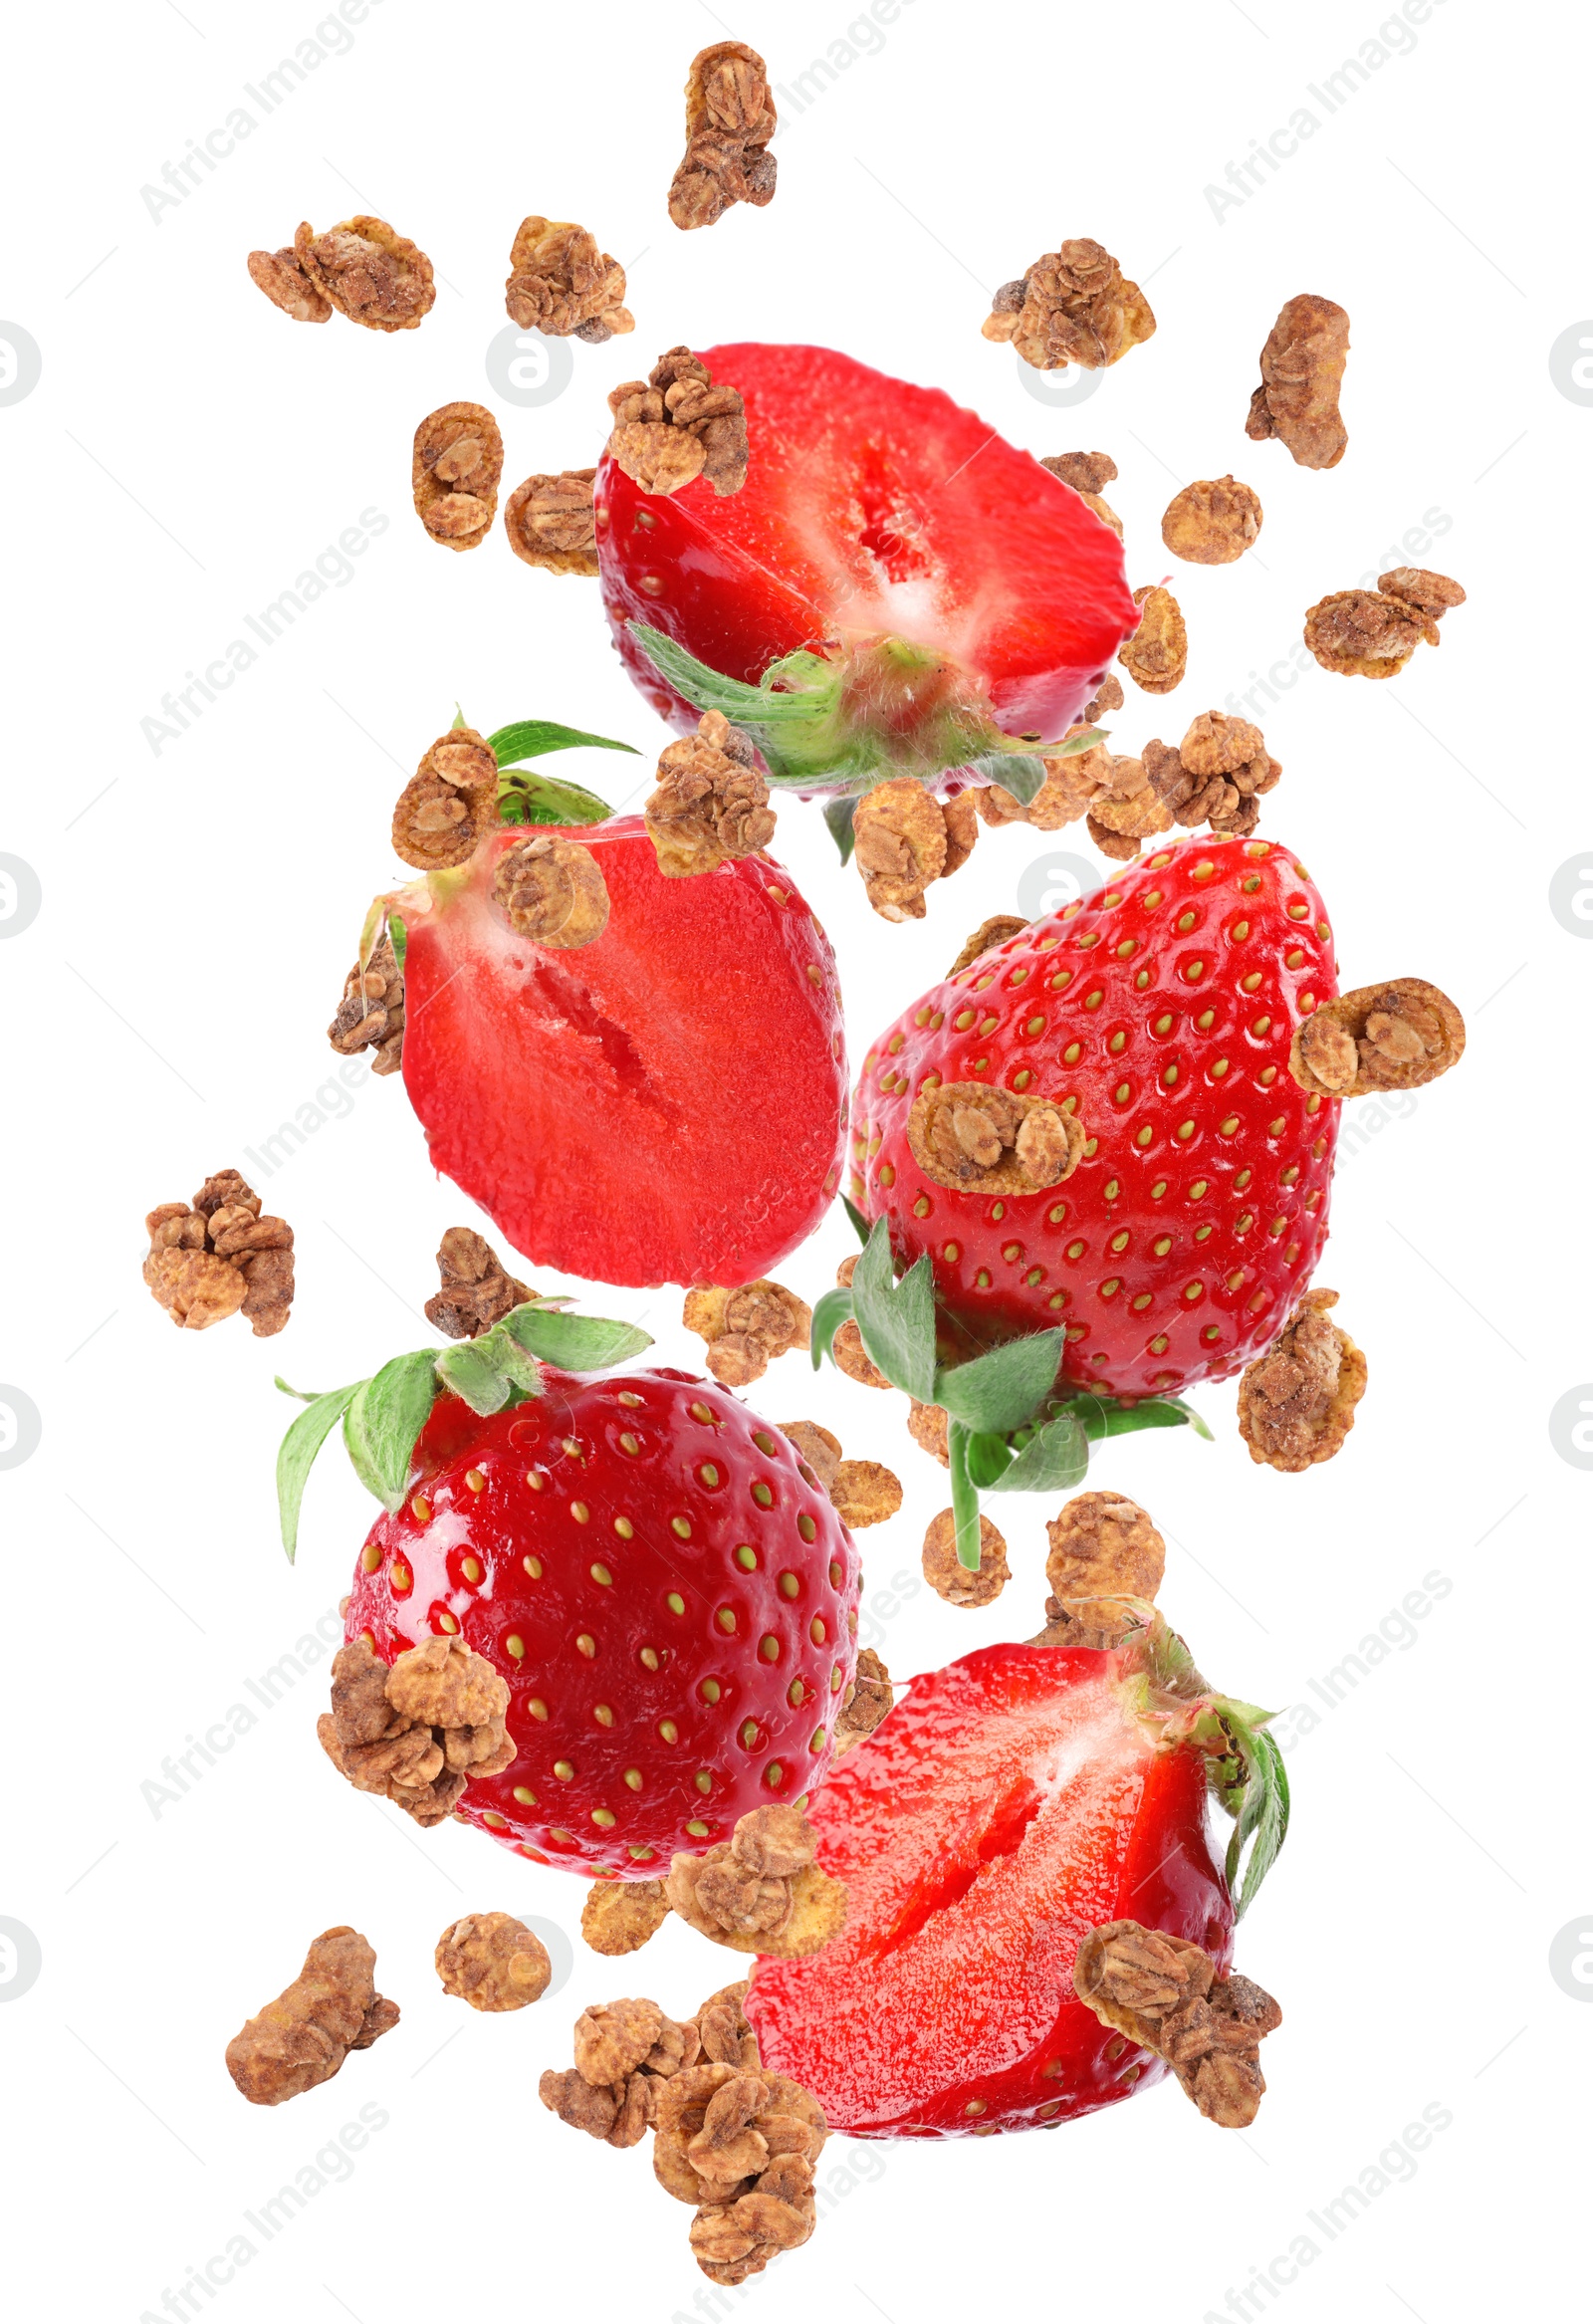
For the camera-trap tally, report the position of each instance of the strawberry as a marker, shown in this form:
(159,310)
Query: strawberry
(657,1575)
(655,1092)
(1170,1240)
(920,592)
(1005,1807)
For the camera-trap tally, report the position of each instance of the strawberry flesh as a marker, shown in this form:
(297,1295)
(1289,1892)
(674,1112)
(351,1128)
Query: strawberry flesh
(1006,1806)
(663,1682)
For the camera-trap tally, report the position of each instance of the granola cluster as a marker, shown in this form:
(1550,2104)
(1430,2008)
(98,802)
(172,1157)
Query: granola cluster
(759,1891)
(1157,654)
(560,283)
(730,121)
(622,1916)
(302,2038)
(370,1015)
(449,803)
(1104,1554)
(360,268)
(493,1961)
(903,839)
(747,1328)
(1087,472)
(1165,1995)
(1212,521)
(711,806)
(213,1256)
(861,1493)
(968,1136)
(1372,633)
(1215,776)
(550,522)
(987,936)
(675,425)
(416,1732)
(946,1574)
(1108,695)
(551,892)
(477,1290)
(735,2141)
(1397,1035)
(454,472)
(1302,370)
(1073,306)
(1297,1403)
(867,1701)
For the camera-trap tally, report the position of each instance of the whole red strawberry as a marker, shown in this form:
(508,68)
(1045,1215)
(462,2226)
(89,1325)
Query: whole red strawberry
(660,1579)
(1006,1806)
(960,593)
(1156,1016)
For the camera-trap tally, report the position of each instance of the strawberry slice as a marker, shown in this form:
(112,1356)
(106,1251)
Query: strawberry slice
(1006,1806)
(662,1105)
(965,595)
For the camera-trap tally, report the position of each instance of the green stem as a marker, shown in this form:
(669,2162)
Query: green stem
(964,1496)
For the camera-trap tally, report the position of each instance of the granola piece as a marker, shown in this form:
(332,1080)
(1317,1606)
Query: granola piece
(866,1702)
(560,283)
(961,830)
(446,1710)
(457,461)
(493,1961)
(1397,1035)
(374,277)
(1359,633)
(899,842)
(303,2036)
(1212,521)
(1302,369)
(1073,306)
(818,1448)
(1157,654)
(993,1141)
(730,121)
(723,2027)
(476,1290)
(614,2037)
(994,804)
(927,1424)
(619,1916)
(853,1358)
(1104,1554)
(986,937)
(219,1255)
(449,803)
(865,1493)
(1165,1995)
(1126,809)
(586,2106)
(1431,593)
(676,424)
(1087,472)
(1108,695)
(550,522)
(285,284)
(711,806)
(551,892)
(957,1583)
(370,1013)
(1297,1403)
(1216,775)
(747,1328)
(759,1891)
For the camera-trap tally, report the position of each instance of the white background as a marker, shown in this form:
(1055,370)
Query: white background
(188,454)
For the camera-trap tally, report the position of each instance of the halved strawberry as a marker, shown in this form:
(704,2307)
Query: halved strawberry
(961,594)
(1006,1806)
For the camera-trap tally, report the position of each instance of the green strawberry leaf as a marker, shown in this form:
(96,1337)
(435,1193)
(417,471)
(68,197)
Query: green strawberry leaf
(1085,740)
(575,1343)
(862,1227)
(896,1321)
(489,1372)
(989,1459)
(525,797)
(459,720)
(533,738)
(1021,772)
(1055,1458)
(839,814)
(383,1418)
(297,1453)
(742,705)
(964,1496)
(1116,1420)
(999,1391)
(829,1312)
(1262,1823)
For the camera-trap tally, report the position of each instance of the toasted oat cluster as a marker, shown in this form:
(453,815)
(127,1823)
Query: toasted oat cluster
(418,1731)
(302,2038)
(1397,1035)
(996,930)
(730,121)
(676,426)
(966,1136)
(1073,306)
(747,1328)
(1087,472)
(552,891)
(1105,1563)
(1297,1403)
(1157,654)
(560,283)
(861,1493)
(1302,370)
(868,1701)
(1215,775)
(455,468)
(216,1256)
(1372,633)
(949,1579)
(904,839)
(370,1015)
(449,803)
(1166,1995)
(1212,521)
(762,1890)
(477,1290)
(711,806)
(622,1916)
(360,268)
(493,1961)
(550,522)
(735,2141)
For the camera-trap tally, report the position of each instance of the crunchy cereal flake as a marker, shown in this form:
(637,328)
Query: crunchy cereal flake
(865,1492)
(730,121)
(817,1447)
(1297,1403)
(1357,633)
(1212,521)
(1164,1993)
(303,2036)
(370,1013)
(712,802)
(368,273)
(445,1723)
(676,424)
(220,1255)
(1157,654)
(1302,369)
(899,840)
(457,461)
(551,892)
(1073,306)
(986,937)
(449,803)
(493,1961)
(1104,1552)
(744,1329)
(1432,593)
(619,1916)
(1396,1036)
(613,2039)
(550,523)
(560,283)
(476,1292)
(968,1136)
(956,1582)
(285,284)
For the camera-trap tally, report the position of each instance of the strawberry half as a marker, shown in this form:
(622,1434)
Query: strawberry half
(656,1573)
(1006,1806)
(896,589)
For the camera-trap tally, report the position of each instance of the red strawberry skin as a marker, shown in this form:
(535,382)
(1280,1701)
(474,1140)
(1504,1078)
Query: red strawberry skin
(870,507)
(1162,1004)
(654,1706)
(1007,1805)
(666,1105)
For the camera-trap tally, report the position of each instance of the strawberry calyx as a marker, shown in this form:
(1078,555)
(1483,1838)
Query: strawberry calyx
(382,1416)
(527,795)
(1008,1427)
(1245,1768)
(863,712)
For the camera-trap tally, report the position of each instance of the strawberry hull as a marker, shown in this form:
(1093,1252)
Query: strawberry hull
(1007,1807)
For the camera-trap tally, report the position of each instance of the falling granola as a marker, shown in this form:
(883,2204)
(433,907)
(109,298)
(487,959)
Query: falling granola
(762,1890)
(217,1256)
(302,2038)
(676,426)
(1157,654)
(477,1291)
(867,1701)
(457,462)
(1391,1037)
(861,1493)
(370,1015)
(418,1731)
(711,806)
(963,1134)
(1166,1995)
(900,846)
(1073,306)
(493,1961)
(730,121)
(1297,1403)
(369,274)
(987,936)
(1105,1565)
(560,283)
(1212,521)
(1372,633)
(550,522)
(957,1583)
(747,1328)
(1302,370)
(552,891)
(1087,472)
(449,803)
(620,1916)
